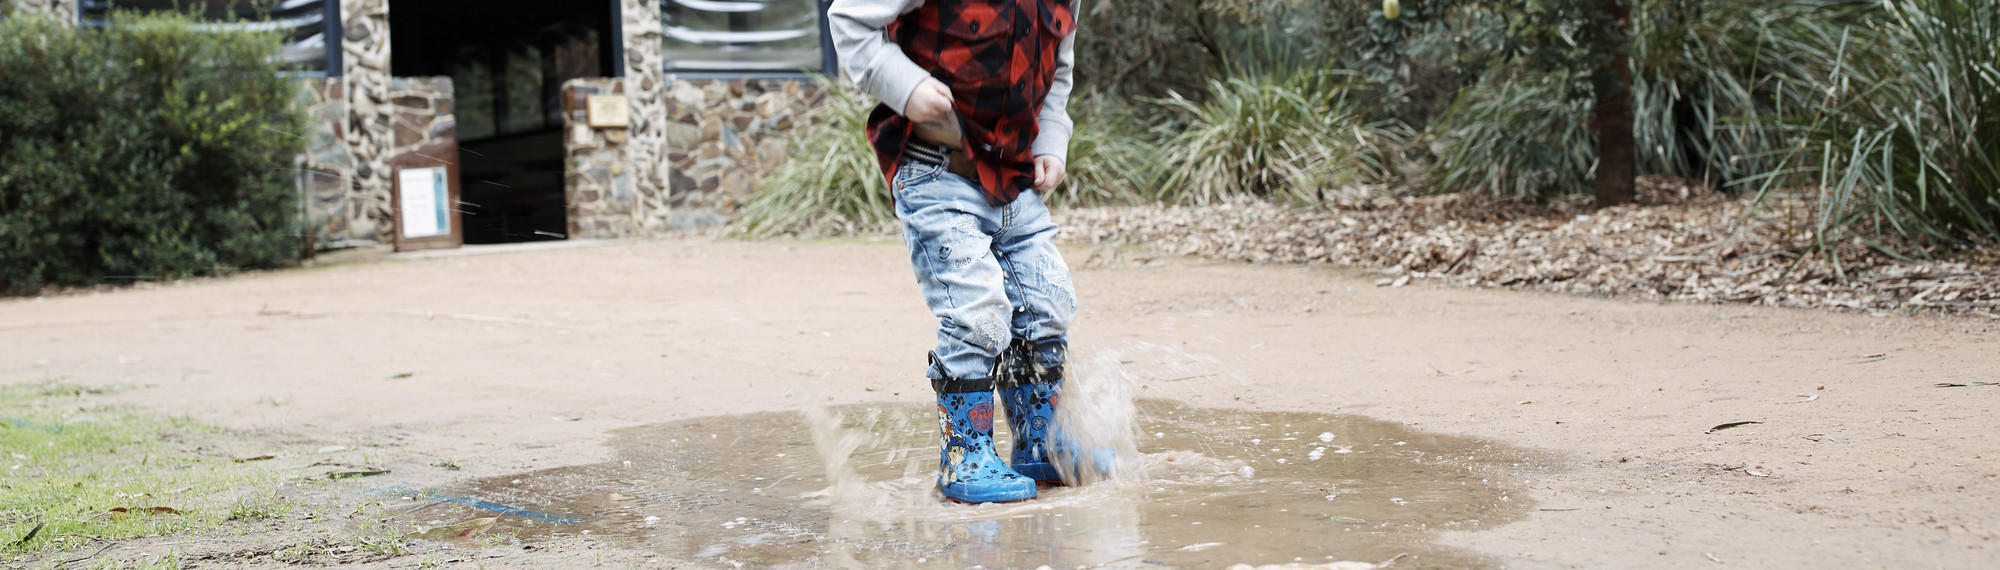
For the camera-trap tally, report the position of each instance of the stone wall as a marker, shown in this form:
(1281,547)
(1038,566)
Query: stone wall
(598,175)
(420,117)
(694,150)
(645,88)
(696,147)
(723,136)
(326,170)
(369,134)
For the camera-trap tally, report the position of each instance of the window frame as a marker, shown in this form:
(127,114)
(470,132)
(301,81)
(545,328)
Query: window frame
(333,32)
(829,60)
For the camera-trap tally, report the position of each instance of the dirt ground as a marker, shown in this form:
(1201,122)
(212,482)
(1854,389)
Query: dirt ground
(508,360)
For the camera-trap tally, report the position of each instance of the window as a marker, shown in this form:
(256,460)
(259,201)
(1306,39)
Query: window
(312,27)
(745,36)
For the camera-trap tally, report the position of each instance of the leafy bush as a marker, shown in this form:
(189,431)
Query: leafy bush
(1142,48)
(144,151)
(1287,136)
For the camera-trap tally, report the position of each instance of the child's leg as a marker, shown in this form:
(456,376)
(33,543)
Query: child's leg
(1044,302)
(1038,283)
(948,226)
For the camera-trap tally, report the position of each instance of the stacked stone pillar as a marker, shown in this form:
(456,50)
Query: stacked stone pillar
(646,139)
(370,129)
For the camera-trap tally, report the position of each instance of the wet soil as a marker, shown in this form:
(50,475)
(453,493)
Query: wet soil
(1209,488)
(445,369)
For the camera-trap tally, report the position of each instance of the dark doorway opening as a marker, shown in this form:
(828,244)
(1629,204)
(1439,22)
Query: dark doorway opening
(507,60)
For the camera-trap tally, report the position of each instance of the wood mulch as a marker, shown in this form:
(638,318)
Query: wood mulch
(1679,243)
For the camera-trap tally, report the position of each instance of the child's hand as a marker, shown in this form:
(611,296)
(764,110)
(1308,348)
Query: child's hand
(1048,173)
(930,102)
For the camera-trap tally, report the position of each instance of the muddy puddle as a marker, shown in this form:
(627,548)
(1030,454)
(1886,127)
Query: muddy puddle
(854,487)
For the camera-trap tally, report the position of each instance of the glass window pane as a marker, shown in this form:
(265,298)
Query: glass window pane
(524,89)
(472,94)
(302,21)
(741,35)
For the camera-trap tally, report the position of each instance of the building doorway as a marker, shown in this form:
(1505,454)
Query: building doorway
(507,60)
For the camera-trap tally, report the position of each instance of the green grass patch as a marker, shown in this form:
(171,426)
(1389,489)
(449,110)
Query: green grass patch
(79,474)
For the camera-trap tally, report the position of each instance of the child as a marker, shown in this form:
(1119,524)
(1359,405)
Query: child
(972,131)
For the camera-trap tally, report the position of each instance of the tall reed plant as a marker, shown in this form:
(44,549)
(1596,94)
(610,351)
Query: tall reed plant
(831,184)
(1518,138)
(1288,136)
(1906,152)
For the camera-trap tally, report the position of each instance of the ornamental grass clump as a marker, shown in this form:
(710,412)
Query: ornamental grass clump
(1905,154)
(831,184)
(1291,137)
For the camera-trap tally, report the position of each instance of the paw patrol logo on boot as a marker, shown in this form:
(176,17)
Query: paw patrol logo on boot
(982,417)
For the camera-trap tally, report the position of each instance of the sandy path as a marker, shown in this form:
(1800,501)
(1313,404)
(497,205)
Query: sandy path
(524,359)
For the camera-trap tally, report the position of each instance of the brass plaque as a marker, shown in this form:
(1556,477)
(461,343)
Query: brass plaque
(609,111)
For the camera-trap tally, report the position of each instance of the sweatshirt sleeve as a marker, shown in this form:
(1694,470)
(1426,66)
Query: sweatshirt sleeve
(1056,126)
(876,65)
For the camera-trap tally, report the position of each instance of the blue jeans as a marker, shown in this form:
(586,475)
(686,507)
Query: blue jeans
(990,274)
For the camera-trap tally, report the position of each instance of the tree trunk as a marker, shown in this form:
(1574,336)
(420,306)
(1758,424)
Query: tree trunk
(1617,160)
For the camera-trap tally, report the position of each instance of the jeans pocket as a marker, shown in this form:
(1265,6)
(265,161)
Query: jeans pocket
(912,174)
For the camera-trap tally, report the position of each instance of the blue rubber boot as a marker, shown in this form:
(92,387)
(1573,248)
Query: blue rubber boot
(1030,392)
(1031,409)
(968,469)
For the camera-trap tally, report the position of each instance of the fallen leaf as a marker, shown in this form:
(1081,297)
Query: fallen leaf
(332,448)
(1872,358)
(401,375)
(463,530)
(249,458)
(1754,472)
(122,511)
(30,536)
(1966,385)
(1730,425)
(337,475)
(1807,398)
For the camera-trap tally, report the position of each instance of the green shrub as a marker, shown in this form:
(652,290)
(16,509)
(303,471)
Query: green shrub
(1278,135)
(144,151)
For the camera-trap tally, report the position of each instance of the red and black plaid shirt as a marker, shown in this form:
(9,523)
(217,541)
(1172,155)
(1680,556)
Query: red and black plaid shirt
(998,57)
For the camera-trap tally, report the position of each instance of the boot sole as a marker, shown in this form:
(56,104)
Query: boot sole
(964,502)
